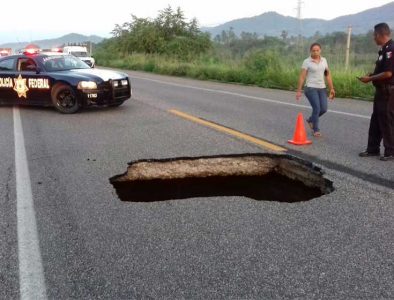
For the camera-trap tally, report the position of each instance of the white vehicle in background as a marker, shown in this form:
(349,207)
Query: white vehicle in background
(80,52)
(5,51)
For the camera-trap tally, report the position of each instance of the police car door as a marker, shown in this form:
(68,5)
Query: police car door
(34,87)
(7,72)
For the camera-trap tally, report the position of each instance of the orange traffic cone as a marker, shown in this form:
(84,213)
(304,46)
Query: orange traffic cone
(300,133)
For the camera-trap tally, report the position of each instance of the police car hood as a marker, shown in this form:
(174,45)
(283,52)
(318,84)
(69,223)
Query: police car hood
(85,58)
(104,75)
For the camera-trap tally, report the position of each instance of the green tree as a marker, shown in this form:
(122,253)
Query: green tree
(284,35)
(169,33)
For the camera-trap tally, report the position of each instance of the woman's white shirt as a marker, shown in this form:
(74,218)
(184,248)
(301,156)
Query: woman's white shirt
(315,72)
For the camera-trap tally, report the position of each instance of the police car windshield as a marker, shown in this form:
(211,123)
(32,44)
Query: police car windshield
(79,53)
(54,63)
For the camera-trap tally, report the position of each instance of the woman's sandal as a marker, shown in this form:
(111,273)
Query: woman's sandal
(317,134)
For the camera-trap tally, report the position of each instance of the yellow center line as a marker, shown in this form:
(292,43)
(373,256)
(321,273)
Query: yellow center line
(240,135)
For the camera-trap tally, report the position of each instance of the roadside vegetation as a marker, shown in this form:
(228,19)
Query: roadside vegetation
(170,45)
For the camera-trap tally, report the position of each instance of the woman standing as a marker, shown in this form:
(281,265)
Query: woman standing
(314,69)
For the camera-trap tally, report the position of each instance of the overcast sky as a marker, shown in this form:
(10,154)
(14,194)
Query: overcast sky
(27,20)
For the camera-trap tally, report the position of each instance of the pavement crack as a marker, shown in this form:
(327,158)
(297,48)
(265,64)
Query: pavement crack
(371,178)
(7,195)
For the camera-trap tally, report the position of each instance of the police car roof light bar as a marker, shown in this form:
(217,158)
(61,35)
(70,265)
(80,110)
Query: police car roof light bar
(31,51)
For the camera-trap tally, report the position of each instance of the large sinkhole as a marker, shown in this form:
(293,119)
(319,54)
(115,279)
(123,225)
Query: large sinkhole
(265,176)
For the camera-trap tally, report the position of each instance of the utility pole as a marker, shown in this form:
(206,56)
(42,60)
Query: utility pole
(349,35)
(299,17)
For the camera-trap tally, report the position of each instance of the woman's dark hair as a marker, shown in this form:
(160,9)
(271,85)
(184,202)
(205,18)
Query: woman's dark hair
(313,45)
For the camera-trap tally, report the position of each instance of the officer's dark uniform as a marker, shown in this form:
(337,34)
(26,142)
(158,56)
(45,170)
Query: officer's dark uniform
(382,120)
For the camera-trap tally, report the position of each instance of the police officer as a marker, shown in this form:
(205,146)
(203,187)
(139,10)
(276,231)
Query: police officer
(382,120)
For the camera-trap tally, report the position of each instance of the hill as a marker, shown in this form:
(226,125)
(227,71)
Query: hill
(272,23)
(49,43)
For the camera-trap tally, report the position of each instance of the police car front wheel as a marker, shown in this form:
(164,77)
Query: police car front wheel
(64,99)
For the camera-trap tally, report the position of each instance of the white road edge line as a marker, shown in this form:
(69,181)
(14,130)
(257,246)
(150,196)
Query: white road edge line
(31,274)
(249,97)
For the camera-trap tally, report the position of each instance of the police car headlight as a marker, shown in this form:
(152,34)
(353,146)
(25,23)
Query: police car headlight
(87,85)
(124,82)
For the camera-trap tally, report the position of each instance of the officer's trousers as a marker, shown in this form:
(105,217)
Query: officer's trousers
(382,121)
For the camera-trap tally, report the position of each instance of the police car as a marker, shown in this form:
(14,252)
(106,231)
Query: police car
(60,80)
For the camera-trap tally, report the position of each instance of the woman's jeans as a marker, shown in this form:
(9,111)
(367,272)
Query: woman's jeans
(318,100)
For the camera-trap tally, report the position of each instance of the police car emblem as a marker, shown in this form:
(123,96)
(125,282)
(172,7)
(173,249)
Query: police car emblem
(20,86)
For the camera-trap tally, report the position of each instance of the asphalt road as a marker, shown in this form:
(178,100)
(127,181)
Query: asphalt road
(90,245)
